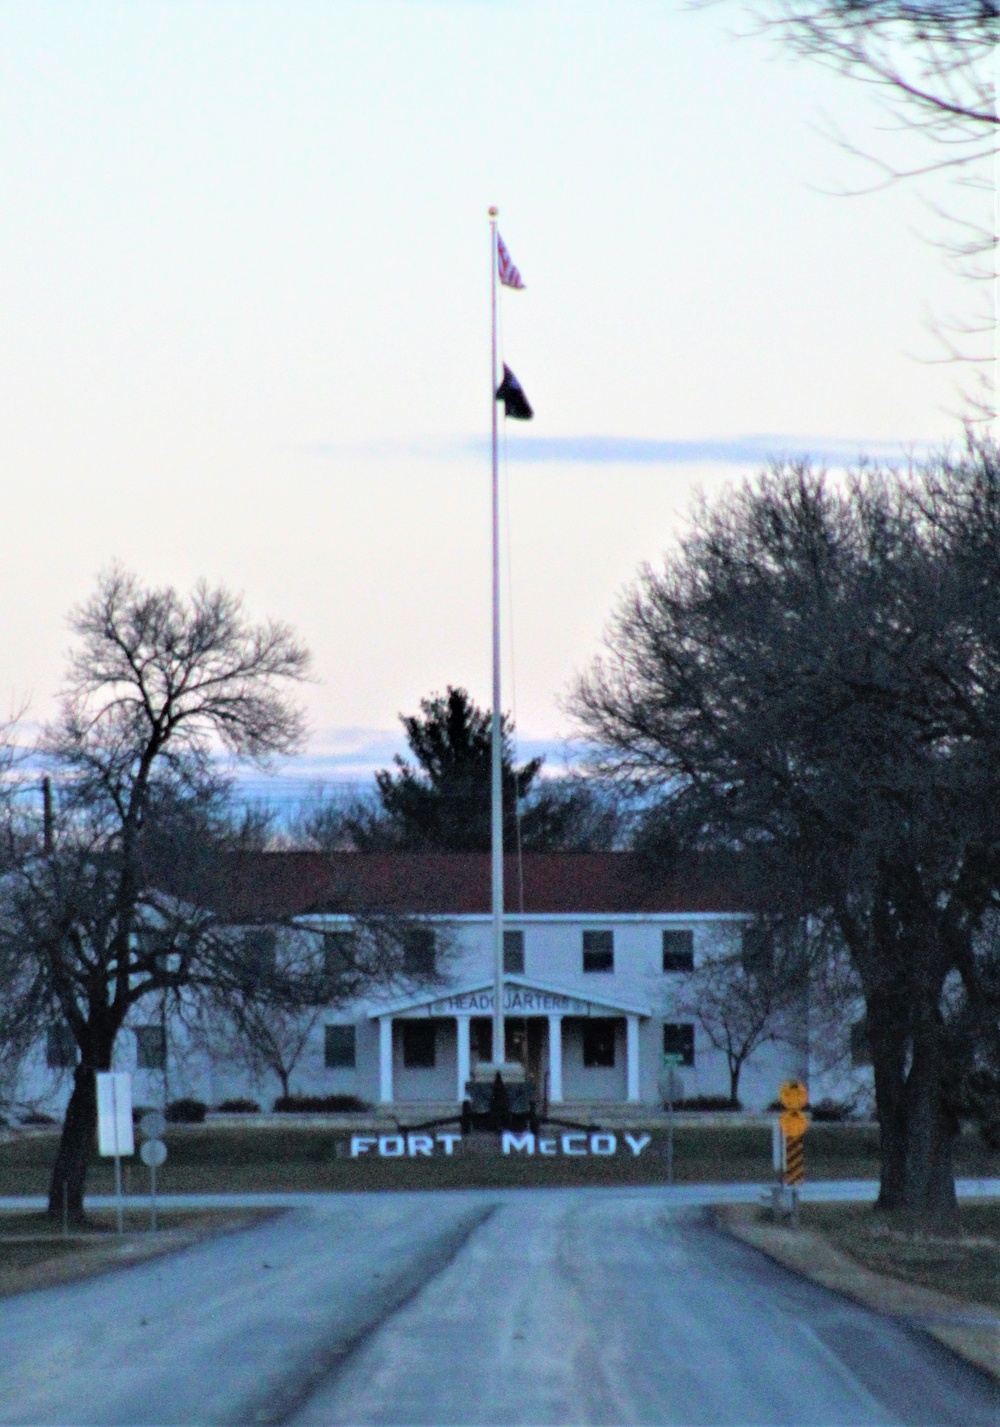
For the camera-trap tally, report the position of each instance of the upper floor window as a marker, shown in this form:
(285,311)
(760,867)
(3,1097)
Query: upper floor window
(513,952)
(338,953)
(418,951)
(339,1047)
(678,951)
(60,1047)
(757,950)
(260,951)
(861,1050)
(599,951)
(678,1039)
(150,1047)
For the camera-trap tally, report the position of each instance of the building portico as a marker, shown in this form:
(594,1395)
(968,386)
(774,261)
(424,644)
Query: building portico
(542,1023)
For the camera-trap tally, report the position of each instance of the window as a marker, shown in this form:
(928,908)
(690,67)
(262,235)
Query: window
(339,1048)
(861,1051)
(599,1041)
(513,952)
(598,951)
(260,951)
(338,953)
(418,952)
(60,1048)
(757,951)
(418,1045)
(150,1048)
(150,948)
(678,951)
(678,1039)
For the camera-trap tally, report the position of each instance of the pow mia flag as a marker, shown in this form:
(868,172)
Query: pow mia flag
(511,393)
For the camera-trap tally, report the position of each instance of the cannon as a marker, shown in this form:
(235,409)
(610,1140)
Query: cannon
(500,1098)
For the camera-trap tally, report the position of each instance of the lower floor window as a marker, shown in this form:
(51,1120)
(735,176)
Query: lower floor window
(60,1048)
(339,1047)
(150,1048)
(599,1041)
(678,1039)
(418,1045)
(861,1050)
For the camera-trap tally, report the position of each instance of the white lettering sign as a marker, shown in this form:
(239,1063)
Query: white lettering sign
(574,1145)
(636,1143)
(402,1146)
(519,1000)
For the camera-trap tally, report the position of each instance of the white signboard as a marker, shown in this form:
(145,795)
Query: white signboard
(517,1000)
(114,1113)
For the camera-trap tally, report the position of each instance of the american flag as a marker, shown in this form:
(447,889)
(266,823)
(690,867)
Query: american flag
(508,273)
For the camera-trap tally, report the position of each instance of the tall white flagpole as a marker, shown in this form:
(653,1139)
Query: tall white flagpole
(496,804)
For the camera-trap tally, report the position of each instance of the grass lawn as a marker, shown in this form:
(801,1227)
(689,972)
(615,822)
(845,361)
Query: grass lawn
(34,1254)
(220,1159)
(966,1266)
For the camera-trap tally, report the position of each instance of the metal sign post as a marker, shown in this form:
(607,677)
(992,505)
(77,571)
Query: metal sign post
(114,1127)
(670,1060)
(153,1154)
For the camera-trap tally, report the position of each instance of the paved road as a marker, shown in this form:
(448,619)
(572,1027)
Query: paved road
(532,1307)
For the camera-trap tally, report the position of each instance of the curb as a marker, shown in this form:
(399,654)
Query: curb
(970,1330)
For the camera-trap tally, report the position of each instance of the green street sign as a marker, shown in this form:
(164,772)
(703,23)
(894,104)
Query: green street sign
(672,1057)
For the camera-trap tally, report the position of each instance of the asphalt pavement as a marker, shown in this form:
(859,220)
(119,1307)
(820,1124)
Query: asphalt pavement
(550,1306)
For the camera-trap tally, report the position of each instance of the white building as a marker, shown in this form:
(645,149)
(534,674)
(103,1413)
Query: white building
(597,958)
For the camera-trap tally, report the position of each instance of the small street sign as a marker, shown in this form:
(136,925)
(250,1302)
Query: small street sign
(793,1124)
(672,1057)
(151,1126)
(153,1153)
(795,1164)
(114,1113)
(793,1095)
(114,1126)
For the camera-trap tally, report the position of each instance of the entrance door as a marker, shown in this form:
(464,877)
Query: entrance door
(527,1044)
(515,1036)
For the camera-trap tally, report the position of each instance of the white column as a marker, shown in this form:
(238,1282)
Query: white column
(555,1060)
(385,1060)
(632,1057)
(462,1029)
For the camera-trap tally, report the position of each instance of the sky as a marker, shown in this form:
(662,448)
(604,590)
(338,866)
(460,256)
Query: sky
(244,320)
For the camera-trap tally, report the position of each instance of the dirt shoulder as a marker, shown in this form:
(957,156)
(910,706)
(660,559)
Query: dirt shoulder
(829,1251)
(32,1256)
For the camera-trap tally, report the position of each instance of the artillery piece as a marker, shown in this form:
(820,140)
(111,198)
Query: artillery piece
(500,1097)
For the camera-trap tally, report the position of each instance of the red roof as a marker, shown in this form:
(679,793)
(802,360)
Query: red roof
(282,884)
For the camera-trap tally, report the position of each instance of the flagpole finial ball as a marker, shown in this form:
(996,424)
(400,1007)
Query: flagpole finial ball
(493,211)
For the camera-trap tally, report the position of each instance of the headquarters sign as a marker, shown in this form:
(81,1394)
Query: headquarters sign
(517,1000)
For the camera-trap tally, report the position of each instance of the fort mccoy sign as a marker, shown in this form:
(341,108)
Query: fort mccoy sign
(573,1145)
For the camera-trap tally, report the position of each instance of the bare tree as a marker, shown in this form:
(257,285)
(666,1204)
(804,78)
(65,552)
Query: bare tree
(934,65)
(814,679)
(744,999)
(156,683)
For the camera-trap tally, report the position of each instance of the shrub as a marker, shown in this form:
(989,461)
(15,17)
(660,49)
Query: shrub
(239,1106)
(186,1111)
(832,1111)
(319,1104)
(707,1102)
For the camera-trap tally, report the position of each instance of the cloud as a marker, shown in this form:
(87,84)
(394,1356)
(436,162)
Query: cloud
(753,450)
(735,450)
